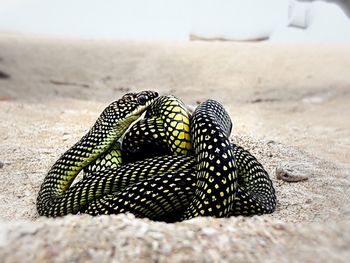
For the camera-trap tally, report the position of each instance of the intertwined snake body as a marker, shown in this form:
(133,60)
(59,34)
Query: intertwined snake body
(176,166)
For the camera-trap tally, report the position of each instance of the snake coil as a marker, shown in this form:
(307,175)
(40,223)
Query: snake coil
(171,166)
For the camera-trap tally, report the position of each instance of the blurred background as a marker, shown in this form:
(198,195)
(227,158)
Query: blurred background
(274,20)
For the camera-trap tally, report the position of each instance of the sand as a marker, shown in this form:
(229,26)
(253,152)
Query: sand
(289,105)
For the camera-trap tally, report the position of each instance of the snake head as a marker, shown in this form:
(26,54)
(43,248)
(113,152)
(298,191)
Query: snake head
(121,113)
(135,103)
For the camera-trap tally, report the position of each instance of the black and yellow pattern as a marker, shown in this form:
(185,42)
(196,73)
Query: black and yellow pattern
(222,180)
(255,191)
(109,127)
(165,128)
(109,159)
(216,168)
(162,197)
(101,183)
(253,197)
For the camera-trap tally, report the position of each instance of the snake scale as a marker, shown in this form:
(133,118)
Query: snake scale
(170,165)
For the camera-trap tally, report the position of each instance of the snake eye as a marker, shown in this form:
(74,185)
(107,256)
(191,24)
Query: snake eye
(142,99)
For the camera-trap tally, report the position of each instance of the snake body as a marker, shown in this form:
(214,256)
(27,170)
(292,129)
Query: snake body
(109,127)
(192,169)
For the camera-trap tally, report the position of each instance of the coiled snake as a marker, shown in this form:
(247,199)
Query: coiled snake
(169,166)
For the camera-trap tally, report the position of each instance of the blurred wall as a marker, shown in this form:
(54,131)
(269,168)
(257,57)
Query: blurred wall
(344,4)
(166,19)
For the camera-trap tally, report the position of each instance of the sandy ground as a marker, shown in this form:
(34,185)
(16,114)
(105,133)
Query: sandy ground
(289,104)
